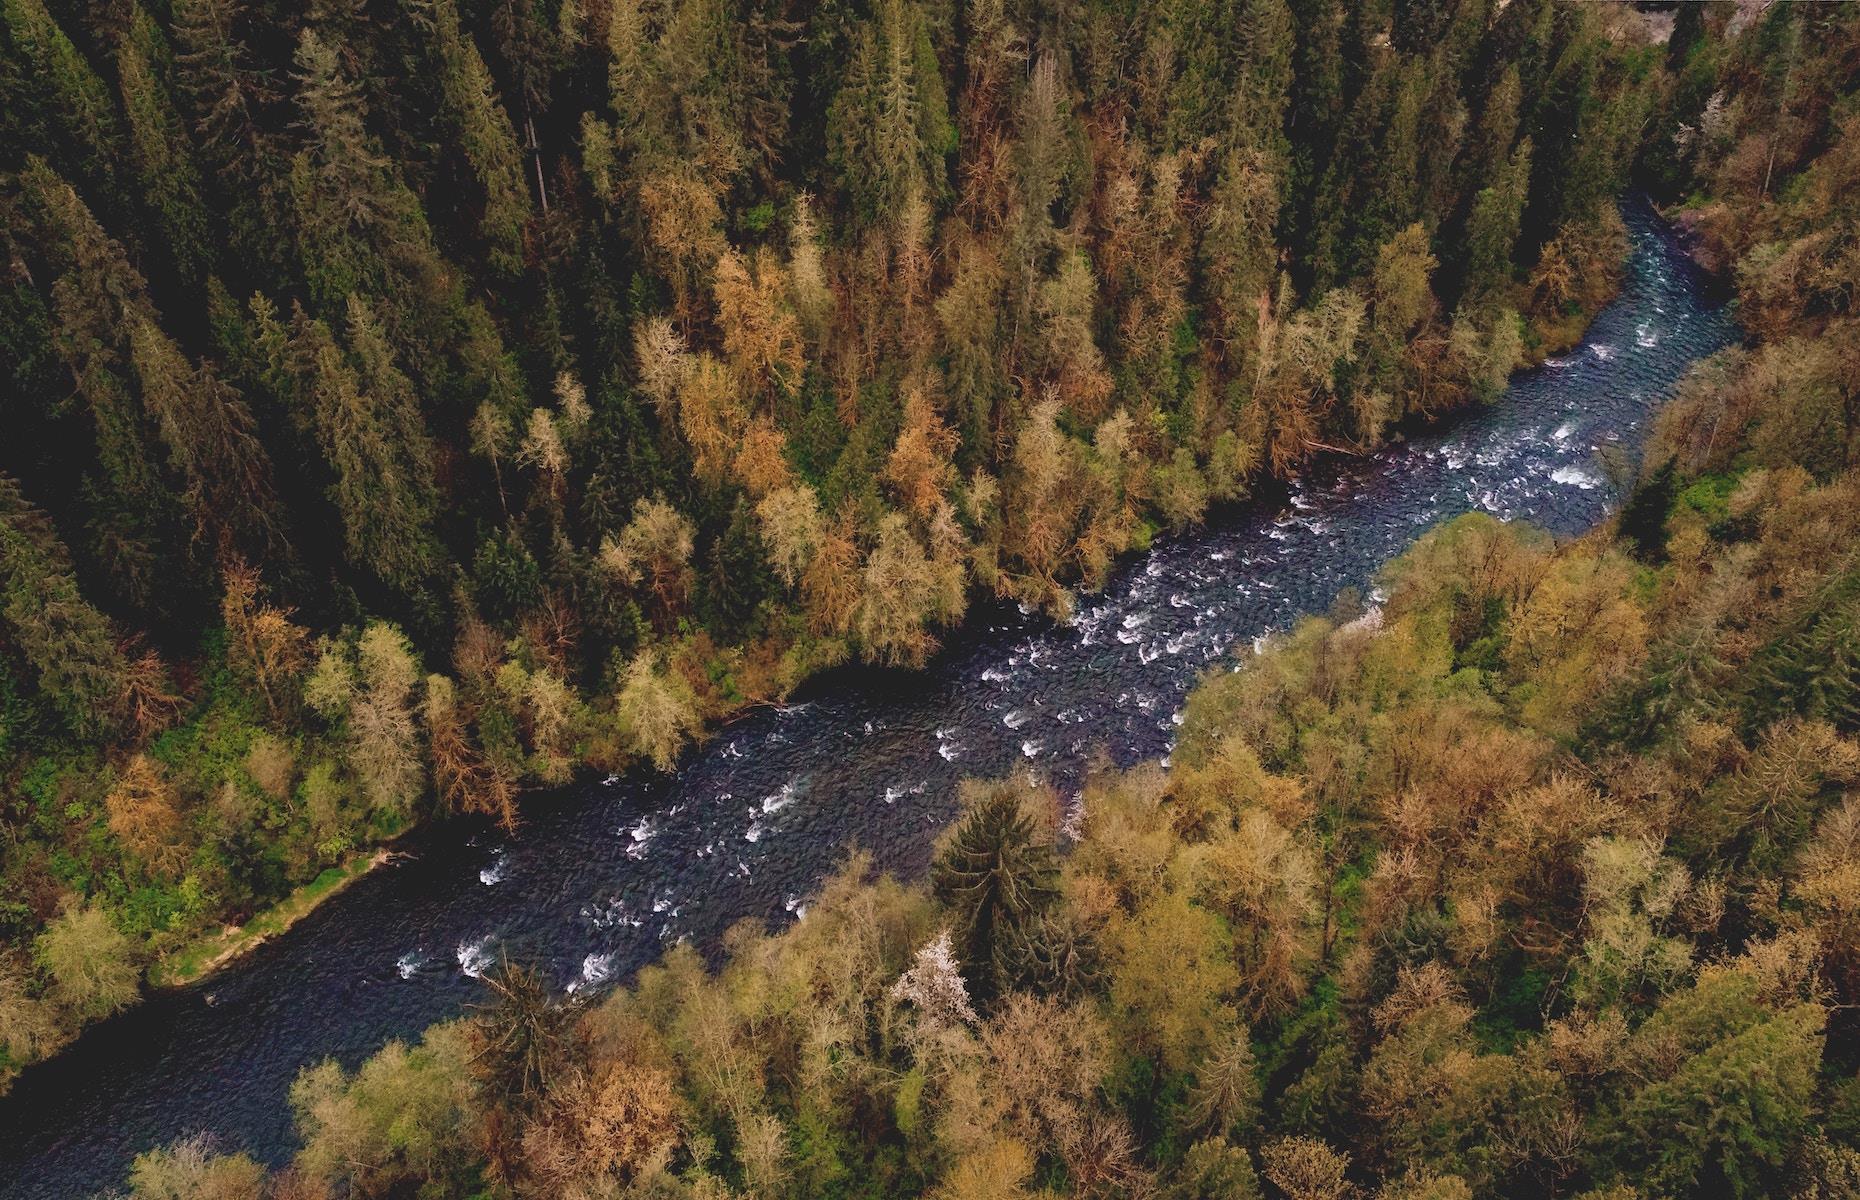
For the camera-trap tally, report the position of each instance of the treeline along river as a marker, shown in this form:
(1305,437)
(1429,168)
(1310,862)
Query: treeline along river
(604,875)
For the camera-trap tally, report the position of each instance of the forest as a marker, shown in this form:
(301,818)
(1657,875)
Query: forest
(414,403)
(1540,878)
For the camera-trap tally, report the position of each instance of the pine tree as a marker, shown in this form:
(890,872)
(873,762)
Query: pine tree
(1492,230)
(79,101)
(68,643)
(162,158)
(995,872)
(370,431)
(483,131)
(889,129)
(96,299)
(230,98)
(738,579)
(212,443)
(228,90)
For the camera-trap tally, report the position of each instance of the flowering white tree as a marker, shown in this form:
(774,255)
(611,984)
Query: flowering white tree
(934,984)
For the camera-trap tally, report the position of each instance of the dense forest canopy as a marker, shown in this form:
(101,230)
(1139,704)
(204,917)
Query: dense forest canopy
(1540,878)
(411,401)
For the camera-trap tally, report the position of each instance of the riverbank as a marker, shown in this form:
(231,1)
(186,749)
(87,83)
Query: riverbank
(201,958)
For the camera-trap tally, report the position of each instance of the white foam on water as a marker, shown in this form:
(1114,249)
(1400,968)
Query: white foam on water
(1030,749)
(1015,718)
(1602,350)
(596,969)
(782,799)
(409,964)
(1575,477)
(494,874)
(475,957)
(1564,431)
(949,750)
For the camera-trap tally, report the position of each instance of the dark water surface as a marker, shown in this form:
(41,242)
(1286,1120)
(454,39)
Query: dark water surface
(602,877)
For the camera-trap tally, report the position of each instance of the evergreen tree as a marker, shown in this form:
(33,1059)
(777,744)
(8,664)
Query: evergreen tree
(995,872)
(162,158)
(98,297)
(889,128)
(483,131)
(76,100)
(1492,230)
(371,434)
(68,643)
(212,442)
(738,580)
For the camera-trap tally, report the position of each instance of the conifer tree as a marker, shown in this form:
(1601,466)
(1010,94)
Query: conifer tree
(162,157)
(483,130)
(889,127)
(212,443)
(364,417)
(995,872)
(70,645)
(1492,231)
(737,581)
(79,101)
(97,297)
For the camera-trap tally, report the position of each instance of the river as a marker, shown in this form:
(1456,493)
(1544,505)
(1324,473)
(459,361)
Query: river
(602,876)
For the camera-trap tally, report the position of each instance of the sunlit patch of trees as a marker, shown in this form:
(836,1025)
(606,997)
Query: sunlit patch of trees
(418,400)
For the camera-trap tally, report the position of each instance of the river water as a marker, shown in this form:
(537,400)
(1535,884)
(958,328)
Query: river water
(604,875)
